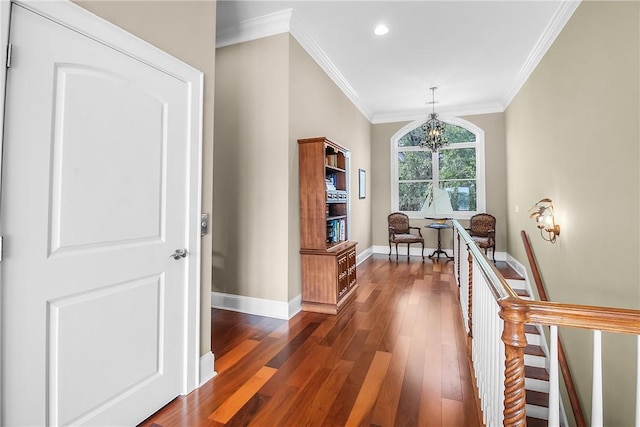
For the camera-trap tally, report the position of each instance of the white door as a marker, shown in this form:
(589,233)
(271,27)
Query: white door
(94,202)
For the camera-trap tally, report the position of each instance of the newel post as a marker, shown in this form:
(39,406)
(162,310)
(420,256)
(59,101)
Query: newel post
(515,341)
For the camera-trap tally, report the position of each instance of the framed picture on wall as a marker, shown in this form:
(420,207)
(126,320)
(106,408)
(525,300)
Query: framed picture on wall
(362,183)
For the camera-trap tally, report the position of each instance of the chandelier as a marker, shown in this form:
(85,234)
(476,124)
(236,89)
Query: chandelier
(433,128)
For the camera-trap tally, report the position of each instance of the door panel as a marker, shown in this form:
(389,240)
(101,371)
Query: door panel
(95,194)
(138,354)
(87,148)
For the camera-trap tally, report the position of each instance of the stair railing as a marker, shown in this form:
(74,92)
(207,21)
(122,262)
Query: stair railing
(572,393)
(491,309)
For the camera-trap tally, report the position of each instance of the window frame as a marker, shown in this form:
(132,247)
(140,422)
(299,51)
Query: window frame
(480,165)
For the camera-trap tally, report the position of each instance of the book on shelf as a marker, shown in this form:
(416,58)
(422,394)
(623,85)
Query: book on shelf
(331,160)
(329,184)
(336,231)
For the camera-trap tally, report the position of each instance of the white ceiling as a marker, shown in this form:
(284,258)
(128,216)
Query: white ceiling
(477,53)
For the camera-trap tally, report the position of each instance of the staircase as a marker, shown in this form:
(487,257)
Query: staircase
(536,374)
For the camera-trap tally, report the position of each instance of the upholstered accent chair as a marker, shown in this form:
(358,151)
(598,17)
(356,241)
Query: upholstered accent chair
(482,230)
(400,232)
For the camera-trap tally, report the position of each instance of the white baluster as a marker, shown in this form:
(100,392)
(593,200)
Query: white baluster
(638,385)
(596,392)
(554,385)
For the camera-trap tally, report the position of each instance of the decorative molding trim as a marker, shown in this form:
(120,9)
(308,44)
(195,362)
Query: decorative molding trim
(415,251)
(299,32)
(257,306)
(207,368)
(423,114)
(295,305)
(559,20)
(362,256)
(517,266)
(282,22)
(256,28)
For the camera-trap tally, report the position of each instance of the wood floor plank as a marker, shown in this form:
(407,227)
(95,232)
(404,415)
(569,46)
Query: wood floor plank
(452,413)
(370,388)
(387,403)
(431,389)
(396,355)
(232,405)
(235,355)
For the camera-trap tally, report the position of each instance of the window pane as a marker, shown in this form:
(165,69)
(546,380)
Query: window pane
(456,134)
(414,165)
(412,139)
(412,195)
(462,194)
(459,163)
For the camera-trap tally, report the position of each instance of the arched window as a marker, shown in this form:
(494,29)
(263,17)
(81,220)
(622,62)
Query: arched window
(457,168)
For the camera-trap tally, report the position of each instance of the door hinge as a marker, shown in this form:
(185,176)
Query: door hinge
(1,248)
(9,52)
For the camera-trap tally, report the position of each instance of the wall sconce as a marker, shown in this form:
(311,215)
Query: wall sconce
(545,219)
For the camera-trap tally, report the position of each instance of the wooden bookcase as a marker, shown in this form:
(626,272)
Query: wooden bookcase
(328,258)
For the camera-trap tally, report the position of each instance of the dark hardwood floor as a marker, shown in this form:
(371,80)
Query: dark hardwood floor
(395,356)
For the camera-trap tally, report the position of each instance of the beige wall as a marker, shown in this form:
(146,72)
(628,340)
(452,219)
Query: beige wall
(186,30)
(319,108)
(495,178)
(572,135)
(251,169)
(270,92)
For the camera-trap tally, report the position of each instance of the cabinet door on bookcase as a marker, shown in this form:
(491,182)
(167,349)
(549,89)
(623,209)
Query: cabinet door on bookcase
(351,267)
(343,280)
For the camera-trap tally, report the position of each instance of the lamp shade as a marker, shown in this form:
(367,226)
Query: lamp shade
(437,205)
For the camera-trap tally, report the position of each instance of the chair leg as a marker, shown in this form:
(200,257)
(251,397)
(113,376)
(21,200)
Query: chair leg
(493,254)
(408,250)
(396,251)
(389,249)
(422,251)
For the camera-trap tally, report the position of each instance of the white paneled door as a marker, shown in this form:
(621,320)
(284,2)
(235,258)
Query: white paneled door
(95,194)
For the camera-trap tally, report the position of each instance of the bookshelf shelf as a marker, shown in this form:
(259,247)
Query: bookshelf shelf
(327,256)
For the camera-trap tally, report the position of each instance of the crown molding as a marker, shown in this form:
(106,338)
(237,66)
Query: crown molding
(283,22)
(423,114)
(559,20)
(300,33)
(256,28)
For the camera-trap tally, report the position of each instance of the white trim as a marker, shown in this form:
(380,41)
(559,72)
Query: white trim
(301,34)
(295,305)
(405,116)
(286,21)
(558,21)
(207,368)
(5,19)
(415,251)
(82,21)
(257,306)
(480,164)
(362,256)
(517,266)
(256,28)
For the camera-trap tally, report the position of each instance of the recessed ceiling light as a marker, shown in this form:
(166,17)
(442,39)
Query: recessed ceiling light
(381,30)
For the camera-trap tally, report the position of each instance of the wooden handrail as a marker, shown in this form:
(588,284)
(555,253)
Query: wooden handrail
(576,407)
(517,312)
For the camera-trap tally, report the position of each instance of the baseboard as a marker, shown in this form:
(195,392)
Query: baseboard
(257,306)
(402,250)
(364,255)
(517,266)
(207,368)
(415,251)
